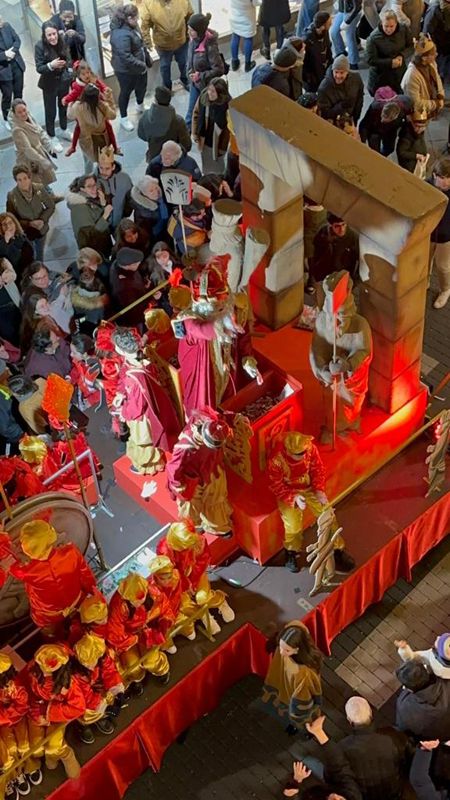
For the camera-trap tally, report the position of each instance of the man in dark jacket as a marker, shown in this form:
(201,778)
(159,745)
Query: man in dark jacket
(115,184)
(279,74)
(382,121)
(336,247)
(127,285)
(10,430)
(341,91)
(12,67)
(423,705)
(317,51)
(71,28)
(387,48)
(411,145)
(437,24)
(378,758)
(160,123)
(172,156)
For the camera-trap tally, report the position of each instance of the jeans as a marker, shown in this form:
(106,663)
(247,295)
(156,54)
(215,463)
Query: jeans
(247,47)
(350,35)
(279,30)
(305,15)
(38,247)
(12,88)
(129,83)
(52,101)
(194,94)
(165,61)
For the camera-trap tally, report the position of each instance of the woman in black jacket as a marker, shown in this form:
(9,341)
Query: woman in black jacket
(12,67)
(209,125)
(386,50)
(204,60)
(130,60)
(273,14)
(53,64)
(14,245)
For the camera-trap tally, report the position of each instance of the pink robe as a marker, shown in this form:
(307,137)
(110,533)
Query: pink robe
(197,366)
(144,397)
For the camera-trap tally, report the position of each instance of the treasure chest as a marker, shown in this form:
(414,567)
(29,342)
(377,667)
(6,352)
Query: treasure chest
(263,413)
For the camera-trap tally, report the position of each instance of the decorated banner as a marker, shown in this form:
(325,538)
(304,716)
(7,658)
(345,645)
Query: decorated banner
(177,185)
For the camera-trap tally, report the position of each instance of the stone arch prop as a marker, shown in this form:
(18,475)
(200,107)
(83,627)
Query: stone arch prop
(286,152)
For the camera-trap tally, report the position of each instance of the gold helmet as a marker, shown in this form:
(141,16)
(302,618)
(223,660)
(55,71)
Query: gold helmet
(37,538)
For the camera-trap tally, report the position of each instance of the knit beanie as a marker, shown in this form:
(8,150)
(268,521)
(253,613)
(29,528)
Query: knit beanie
(320,18)
(199,23)
(285,58)
(127,255)
(163,95)
(341,62)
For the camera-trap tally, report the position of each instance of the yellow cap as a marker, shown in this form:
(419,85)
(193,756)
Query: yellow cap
(51,657)
(89,649)
(93,609)
(5,662)
(182,535)
(156,320)
(32,449)
(37,539)
(296,443)
(160,564)
(133,588)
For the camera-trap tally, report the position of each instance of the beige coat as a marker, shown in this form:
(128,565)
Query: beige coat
(92,126)
(415,86)
(163,23)
(32,148)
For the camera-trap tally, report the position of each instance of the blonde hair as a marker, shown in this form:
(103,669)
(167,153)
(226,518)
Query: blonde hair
(86,255)
(388,14)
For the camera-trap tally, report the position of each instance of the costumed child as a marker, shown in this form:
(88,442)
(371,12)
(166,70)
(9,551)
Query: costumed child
(56,698)
(85,76)
(101,681)
(189,552)
(166,578)
(56,578)
(19,480)
(129,610)
(14,734)
(85,370)
(47,460)
(110,364)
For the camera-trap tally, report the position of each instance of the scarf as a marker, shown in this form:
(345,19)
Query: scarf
(429,76)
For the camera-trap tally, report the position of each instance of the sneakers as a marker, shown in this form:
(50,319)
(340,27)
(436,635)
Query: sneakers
(86,735)
(23,787)
(226,612)
(140,108)
(126,124)
(106,726)
(66,135)
(265,52)
(57,146)
(11,791)
(291,561)
(441,299)
(343,561)
(249,65)
(235,64)
(171,650)
(191,636)
(35,777)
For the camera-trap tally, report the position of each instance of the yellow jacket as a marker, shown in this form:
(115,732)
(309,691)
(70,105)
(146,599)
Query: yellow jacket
(164,23)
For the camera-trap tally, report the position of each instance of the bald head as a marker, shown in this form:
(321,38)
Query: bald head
(170,153)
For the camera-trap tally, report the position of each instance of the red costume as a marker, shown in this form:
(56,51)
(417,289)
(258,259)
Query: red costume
(18,479)
(289,477)
(190,564)
(14,702)
(146,399)
(65,706)
(197,366)
(84,374)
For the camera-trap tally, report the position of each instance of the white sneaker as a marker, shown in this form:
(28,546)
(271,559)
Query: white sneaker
(171,650)
(7,124)
(191,636)
(226,612)
(211,625)
(57,146)
(140,108)
(66,135)
(441,299)
(126,124)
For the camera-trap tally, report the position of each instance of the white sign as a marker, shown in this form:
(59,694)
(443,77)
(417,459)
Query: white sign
(177,186)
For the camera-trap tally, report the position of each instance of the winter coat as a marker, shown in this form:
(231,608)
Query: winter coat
(150,214)
(186,163)
(377,759)
(19,252)
(409,145)
(41,206)
(425,714)
(9,38)
(243,18)
(204,57)
(127,48)
(335,99)
(416,87)
(126,287)
(117,190)
(33,148)
(93,134)
(296,73)
(74,43)
(434,24)
(317,58)
(371,124)
(274,13)
(267,75)
(52,80)
(161,124)
(440,235)
(209,123)
(89,226)
(164,23)
(380,50)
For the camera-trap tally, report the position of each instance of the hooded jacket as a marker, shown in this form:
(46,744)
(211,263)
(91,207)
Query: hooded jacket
(127,47)
(90,228)
(33,148)
(380,50)
(335,99)
(426,713)
(267,75)
(204,57)
(117,190)
(409,145)
(160,124)
(317,58)
(164,23)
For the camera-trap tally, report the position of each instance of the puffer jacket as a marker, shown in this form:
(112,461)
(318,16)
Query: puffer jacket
(335,99)
(273,13)
(380,50)
(90,228)
(425,713)
(161,124)
(128,51)
(33,148)
(204,57)
(164,23)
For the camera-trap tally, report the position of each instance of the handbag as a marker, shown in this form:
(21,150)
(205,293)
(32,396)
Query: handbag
(148,58)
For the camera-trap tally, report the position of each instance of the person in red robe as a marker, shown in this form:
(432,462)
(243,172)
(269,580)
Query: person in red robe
(18,479)
(196,475)
(110,366)
(96,666)
(56,578)
(47,460)
(145,406)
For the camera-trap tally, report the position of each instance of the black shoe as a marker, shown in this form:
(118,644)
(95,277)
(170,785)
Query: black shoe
(235,64)
(343,561)
(291,561)
(35,777)
(106,726)
(11,791)
(249,65)
(23,787)
(265,52)
(137,689)
(135,470)
(291,730)
(85,734)
(162,679)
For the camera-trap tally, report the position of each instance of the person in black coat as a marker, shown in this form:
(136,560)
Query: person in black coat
(71,29)
(273,14)
(53,64)
(336,247)
(172,156)
(14,245)
(128,284)
(341,91)
(317,51)
(411,144)
(12,67)
(437,24)
(130,59)
(386,50)
(382,121)
(279,75)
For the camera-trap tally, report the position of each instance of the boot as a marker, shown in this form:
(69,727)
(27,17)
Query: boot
(265,52)
(71,765)
(163,680)
(226,612)
(249,65)
(235,64)
(343,561)
(291,561)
